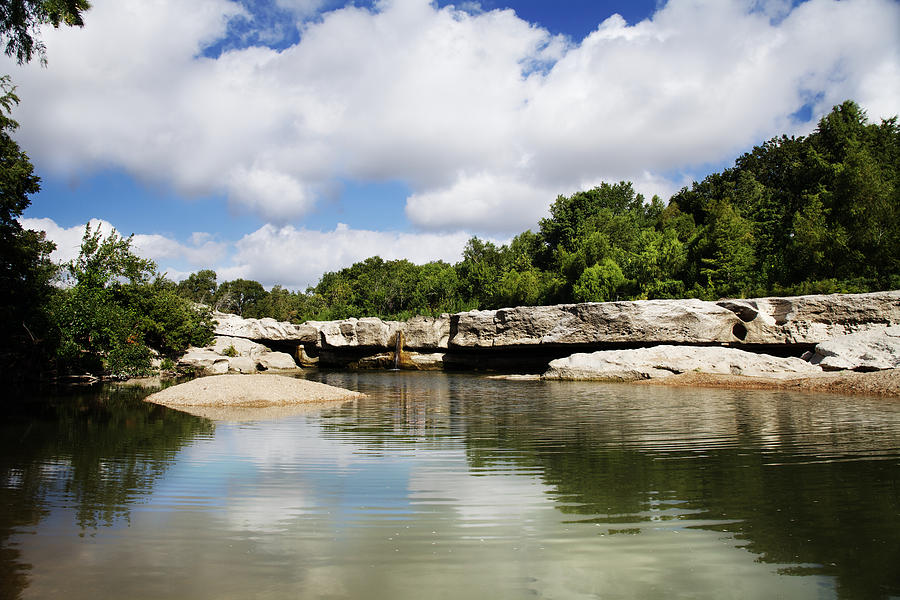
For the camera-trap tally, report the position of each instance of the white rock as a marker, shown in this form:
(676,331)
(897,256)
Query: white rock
(276,360)
(664,361)
(877,349)
(242,346)
(640,321)
(260,329)
(814,319)
(242,364)
(204,359)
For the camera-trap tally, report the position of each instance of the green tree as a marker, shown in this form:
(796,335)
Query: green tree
(21,21)
(116,309)
(199,287)
(242,297)
(599,282)
(25,266)
(725,252)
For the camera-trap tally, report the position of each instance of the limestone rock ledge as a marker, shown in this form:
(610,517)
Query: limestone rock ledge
(508,338)
(762,321)
(664,361)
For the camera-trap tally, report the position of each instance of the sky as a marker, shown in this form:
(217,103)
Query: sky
(276,140)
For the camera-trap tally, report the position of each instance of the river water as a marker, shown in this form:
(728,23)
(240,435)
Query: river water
(455,486)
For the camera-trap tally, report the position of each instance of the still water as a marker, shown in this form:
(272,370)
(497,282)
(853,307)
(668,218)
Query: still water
(455,486)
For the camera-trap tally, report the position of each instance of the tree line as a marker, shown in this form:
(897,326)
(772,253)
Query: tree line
(795,215)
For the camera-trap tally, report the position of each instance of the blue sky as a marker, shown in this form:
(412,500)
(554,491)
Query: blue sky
(278,139)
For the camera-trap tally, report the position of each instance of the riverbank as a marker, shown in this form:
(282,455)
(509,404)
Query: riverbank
(876,383)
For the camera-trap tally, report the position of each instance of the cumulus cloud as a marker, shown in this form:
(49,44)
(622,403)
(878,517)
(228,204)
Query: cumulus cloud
(202,250)
(486,117)
(287,256)
(296,258)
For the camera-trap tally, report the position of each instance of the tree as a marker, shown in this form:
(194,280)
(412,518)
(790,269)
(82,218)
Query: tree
(199,287)
(599,283)
(241,297)
(573,217)
(21,20)
(25,266)
(117,308)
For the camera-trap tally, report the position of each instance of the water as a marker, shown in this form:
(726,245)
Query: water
(456,486)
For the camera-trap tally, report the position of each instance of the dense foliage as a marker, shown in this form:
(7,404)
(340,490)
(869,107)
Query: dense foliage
(111,314)
(116,312)
(795,215)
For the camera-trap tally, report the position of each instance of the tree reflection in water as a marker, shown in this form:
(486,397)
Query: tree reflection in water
(98,452)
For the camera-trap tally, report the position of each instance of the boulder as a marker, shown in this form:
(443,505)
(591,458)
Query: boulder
(250,356)
(242,364)
(433,361)
(368,332)
(242,346)
(275,360)
(664,361)
(426,333)
(205,360)
(871,350)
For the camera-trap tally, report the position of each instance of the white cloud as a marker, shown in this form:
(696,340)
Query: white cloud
(411,92)
(273,194)
(67,239)
(296,258)
(201,252)
(287,256)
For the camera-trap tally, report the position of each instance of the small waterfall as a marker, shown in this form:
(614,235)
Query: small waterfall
(398,349)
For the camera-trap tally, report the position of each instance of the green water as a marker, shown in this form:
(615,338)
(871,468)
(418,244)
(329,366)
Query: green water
(455,486)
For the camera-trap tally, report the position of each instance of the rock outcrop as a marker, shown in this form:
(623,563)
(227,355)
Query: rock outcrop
(235,354)
(764,321)
(871,350)
(641,321)
(521,337)
(665,361)
(813,319)
(228,325)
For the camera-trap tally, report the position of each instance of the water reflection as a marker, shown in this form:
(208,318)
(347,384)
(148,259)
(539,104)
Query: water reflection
(93,454)
(462,486)
(807,482)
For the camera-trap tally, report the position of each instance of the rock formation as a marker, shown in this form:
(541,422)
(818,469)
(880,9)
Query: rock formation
(235,354)
(848,331)
(870,350)
(664,361)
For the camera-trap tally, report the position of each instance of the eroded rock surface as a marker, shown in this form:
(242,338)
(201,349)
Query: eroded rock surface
(665,361)
(261,329)
(469,338)
(870,350)
(813,319)
(641,321)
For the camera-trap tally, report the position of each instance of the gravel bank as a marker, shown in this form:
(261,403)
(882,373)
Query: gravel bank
(256,391)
